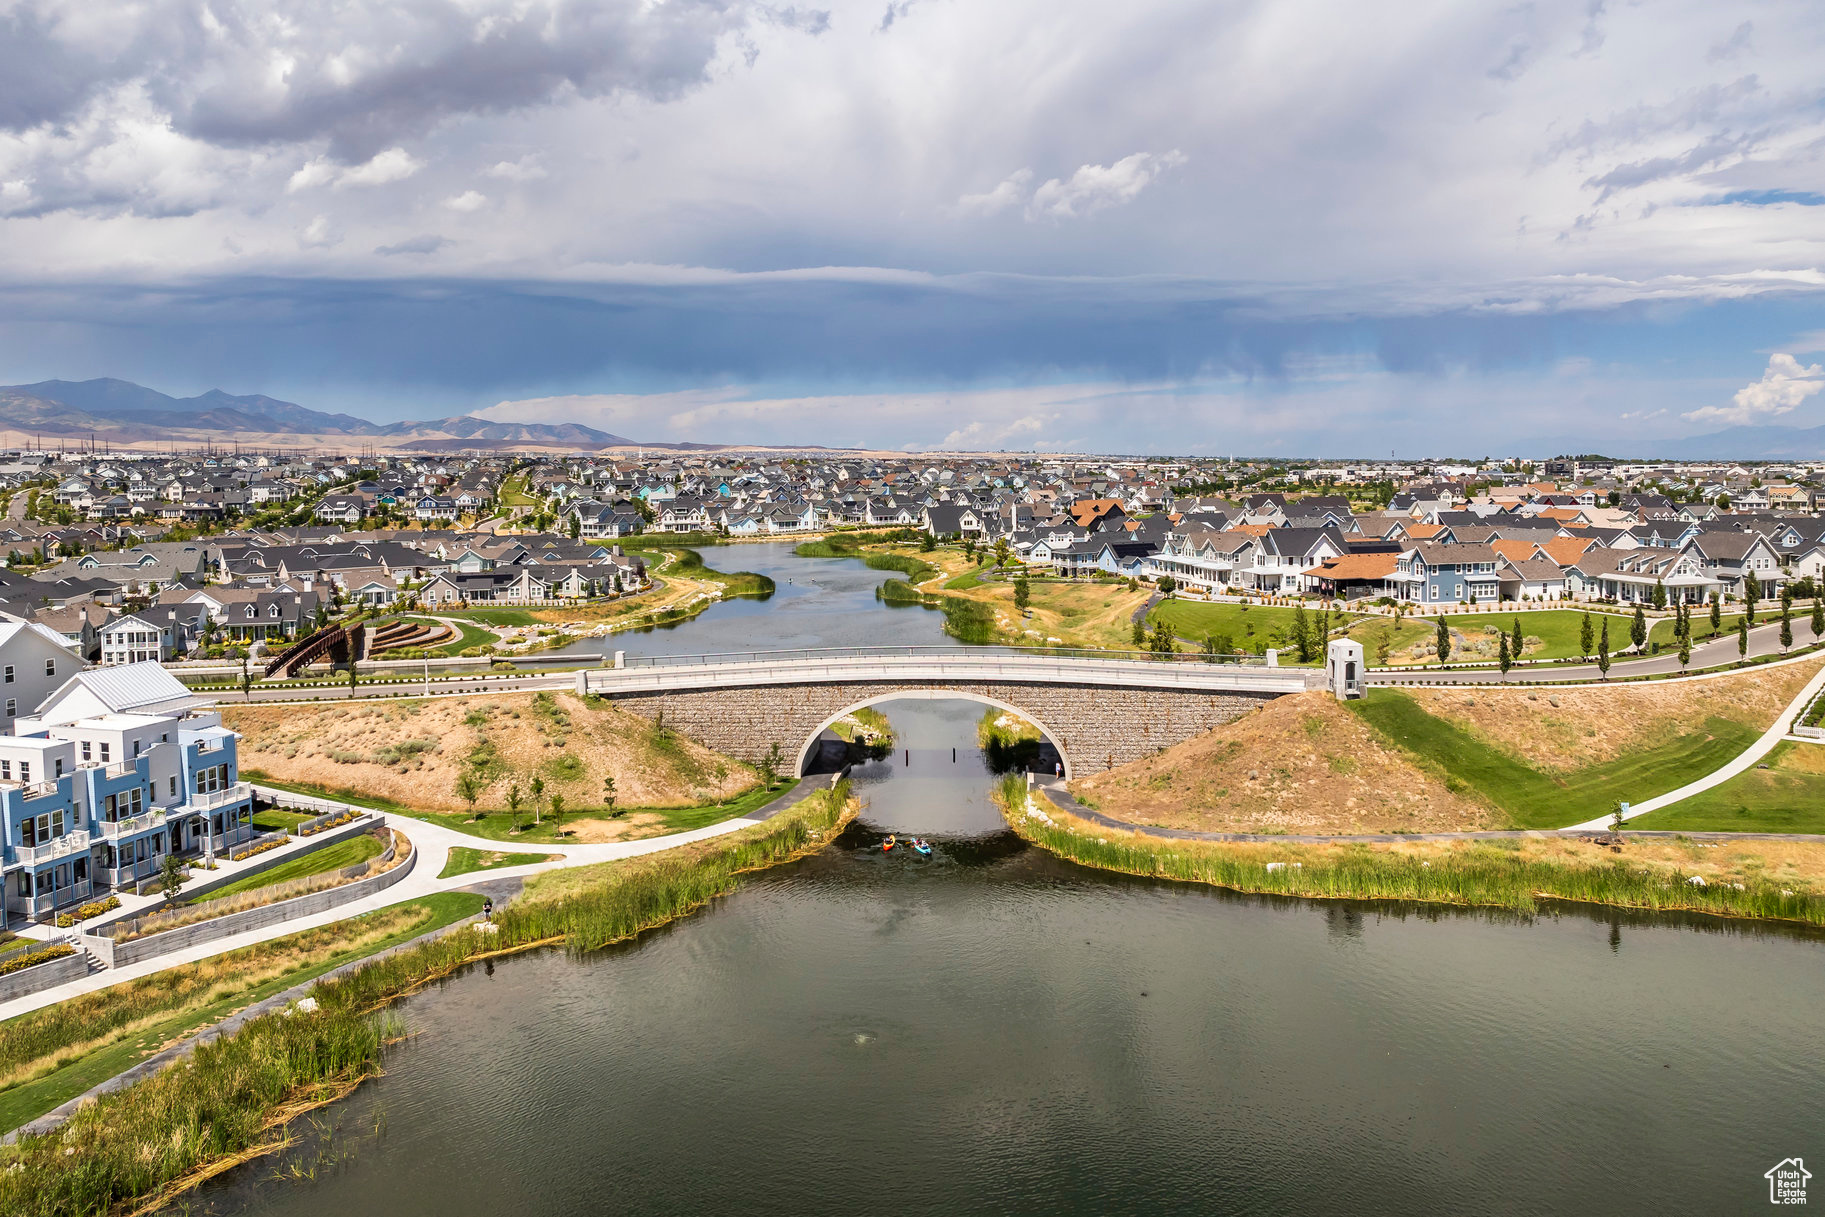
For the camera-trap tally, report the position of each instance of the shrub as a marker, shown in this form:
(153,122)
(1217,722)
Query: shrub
(19,963)
(93,908)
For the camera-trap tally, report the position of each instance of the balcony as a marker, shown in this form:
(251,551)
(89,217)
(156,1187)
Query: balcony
(237,793)
(113,830)
(68,844)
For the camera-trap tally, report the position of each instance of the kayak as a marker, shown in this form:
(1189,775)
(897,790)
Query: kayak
(887,845)
(922,847)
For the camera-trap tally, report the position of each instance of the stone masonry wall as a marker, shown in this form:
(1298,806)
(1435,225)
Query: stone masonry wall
(1093,727)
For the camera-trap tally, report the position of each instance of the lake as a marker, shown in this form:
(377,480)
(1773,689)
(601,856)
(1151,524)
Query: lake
(994,1031)
(818,602)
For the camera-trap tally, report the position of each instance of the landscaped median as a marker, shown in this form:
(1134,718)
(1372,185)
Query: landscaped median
(1760,879)
(144,1145)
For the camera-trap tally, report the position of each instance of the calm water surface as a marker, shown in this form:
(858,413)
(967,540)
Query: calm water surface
(994,1031)
(820,602)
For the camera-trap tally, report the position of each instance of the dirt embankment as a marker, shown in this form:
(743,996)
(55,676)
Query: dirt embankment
(1301,764)
(1556,730)
(415,752)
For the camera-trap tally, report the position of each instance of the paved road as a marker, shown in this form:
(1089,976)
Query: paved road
(1763,640)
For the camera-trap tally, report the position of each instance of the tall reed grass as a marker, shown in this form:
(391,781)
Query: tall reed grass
(587,908)
(217,1106)
(190,1119)
(1475,873)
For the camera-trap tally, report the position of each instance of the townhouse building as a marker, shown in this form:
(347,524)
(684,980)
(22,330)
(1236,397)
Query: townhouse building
(117,770)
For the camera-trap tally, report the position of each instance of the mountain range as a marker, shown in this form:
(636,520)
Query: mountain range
(122,413)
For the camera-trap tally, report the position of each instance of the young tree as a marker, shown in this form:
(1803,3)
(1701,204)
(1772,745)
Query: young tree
(1517,643)
(1444,639)
(170,877)
(1742,638)
(1503,657)
(768,765)
(1138,635)
(1210,648)
(469,789)
(538,798)
(1023,593)
(1168,585)
(1685,651)
(1586,635)
(1786,627)
(1818,617)
(927,542)
(353,680)
(1717,613)
(1638,629)
(1302,634)
(1752,591)
(1603,650)
(514,798)
(1660,594)
(1162,641)
(609,796)
(557,815)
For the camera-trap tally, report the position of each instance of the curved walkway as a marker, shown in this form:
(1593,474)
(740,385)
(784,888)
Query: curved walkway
(1741,763)
(435,842)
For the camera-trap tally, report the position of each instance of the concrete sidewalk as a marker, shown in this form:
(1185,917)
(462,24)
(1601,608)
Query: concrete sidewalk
(435,842)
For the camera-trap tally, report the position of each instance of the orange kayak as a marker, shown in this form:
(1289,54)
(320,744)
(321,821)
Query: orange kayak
(887,844)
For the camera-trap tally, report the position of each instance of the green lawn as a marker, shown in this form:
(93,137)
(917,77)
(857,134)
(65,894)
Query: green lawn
(1250,628)
(280,819)
(1787,796)
(491,616)
(32,1099)
(317,862)
(466,861)
(1533,799)
(513,493)
(1549,634)
(495,824)
(468,635)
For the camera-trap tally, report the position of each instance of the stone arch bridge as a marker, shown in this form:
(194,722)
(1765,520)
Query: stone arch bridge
(1096,710)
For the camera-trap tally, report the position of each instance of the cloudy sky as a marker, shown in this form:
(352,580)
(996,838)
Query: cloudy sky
(1161,225)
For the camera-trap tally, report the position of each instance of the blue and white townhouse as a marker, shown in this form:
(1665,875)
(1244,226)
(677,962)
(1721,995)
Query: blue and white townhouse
(119,769)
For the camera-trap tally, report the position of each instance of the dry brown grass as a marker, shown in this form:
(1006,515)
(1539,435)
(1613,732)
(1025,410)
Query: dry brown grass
(411,752)
(1301,764)
(1565,729)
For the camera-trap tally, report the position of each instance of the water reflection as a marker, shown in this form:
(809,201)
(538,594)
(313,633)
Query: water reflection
(993,1031)
(817,602)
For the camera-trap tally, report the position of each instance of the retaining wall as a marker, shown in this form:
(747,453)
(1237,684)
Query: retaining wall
(45,975)
(120,954)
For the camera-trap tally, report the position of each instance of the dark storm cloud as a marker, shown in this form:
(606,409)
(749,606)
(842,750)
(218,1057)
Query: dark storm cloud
(361,74)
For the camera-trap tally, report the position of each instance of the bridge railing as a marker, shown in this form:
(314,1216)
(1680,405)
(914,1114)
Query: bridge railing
(822,654)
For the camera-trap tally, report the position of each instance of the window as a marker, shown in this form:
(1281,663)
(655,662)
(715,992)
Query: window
(6,771)
(173,786)
(25,771)
(104,752)
(50,667)
(9,673)
(59,772)
(85,750)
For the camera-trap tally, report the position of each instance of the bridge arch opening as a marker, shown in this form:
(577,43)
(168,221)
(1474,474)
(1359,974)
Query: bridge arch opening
(809,748)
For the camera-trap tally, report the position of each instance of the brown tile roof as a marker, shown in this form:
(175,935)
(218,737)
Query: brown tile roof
(1566,550)
(1356,567)
(1514,551)
(1423,532)
(1087,511)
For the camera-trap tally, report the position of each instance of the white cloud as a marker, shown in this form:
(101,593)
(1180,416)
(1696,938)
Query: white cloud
(1642,416)
(1094,188)
(384,168)
(526,169)
(1783,386)
(318,234)
(1010,193)
(468,200)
